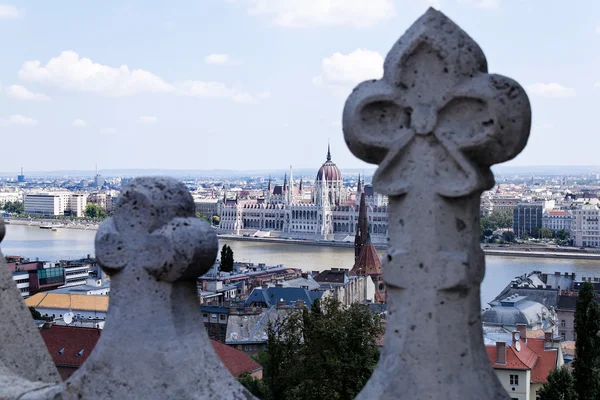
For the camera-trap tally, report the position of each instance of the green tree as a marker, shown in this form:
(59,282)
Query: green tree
(587,346)
(327,352)
(502,219)
(508,236)
(13,207)
(562,235)
(545,233)
(560,385)
(525,235)
(35,313)
(255,386)
(202,216)
(227,260)
(94,211)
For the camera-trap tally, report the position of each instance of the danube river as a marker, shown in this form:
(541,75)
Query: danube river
(43,244)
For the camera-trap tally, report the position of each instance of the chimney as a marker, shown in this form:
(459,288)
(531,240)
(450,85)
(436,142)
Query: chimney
(500,352)
(548,339)
(522,329)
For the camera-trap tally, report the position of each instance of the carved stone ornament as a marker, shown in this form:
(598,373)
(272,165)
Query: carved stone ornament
(435,123)
(154,344)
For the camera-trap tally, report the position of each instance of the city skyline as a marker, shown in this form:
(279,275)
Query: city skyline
(150,85)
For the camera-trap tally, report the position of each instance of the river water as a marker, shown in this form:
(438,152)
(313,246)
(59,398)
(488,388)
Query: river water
(48,245)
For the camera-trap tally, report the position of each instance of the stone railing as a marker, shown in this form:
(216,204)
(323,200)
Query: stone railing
(434,123)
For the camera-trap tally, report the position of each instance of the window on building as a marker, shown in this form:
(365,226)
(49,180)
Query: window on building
(222,317)
(563,323)
(514,380)
(563,336)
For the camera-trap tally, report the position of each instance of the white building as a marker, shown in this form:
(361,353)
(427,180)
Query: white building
(21,279)
(6,197)
(557,220)
(330,213)
(585,229)
(55,203)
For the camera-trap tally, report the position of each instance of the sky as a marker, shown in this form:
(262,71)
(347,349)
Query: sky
(261,84)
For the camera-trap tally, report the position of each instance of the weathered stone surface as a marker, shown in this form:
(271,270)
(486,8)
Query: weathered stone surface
(435,123)
(154,344)
(24,361)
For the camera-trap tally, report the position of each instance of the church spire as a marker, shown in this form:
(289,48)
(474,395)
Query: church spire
(362,229)
(328,152)
(269,185)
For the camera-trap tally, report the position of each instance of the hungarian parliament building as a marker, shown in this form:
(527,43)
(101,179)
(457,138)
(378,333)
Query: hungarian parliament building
(328,211)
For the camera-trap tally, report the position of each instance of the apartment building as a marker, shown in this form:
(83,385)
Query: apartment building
(585,228)
(557,220)
(55,203)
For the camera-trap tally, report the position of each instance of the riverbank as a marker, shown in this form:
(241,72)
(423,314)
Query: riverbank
(529,251)
(52,223)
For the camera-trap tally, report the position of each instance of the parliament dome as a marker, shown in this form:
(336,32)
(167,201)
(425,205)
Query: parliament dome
(329,170)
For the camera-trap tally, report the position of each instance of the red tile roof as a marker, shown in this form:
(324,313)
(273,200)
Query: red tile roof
(236,361)
(368,262)
(533,356)
(72,339)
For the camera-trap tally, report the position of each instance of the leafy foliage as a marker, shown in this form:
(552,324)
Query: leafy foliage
(560,385)
(508,236)
(256,386)
(497,220)
(13,207)
(226,264)
(94,211)
(327,352)
(587,347)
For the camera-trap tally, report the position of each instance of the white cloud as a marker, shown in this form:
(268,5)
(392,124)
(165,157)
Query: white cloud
(18,119)
(598,28)
(217,58)
(349,69)
(300,13)
(8,11)
(213,90)
(79,123)
(22,93)
(336,124)
(71,73)
(550,90)
(148,120)
(489,4)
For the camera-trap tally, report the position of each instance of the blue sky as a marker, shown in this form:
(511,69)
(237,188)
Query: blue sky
(259,84)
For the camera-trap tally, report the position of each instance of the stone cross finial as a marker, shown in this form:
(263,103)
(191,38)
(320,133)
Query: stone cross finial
(154,344)
(435,123)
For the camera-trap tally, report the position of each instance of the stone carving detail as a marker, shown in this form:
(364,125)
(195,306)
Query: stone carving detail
(435,123)
(154,343)
(25,365)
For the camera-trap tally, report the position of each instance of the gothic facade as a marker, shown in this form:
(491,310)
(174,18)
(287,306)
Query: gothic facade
(328,212)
